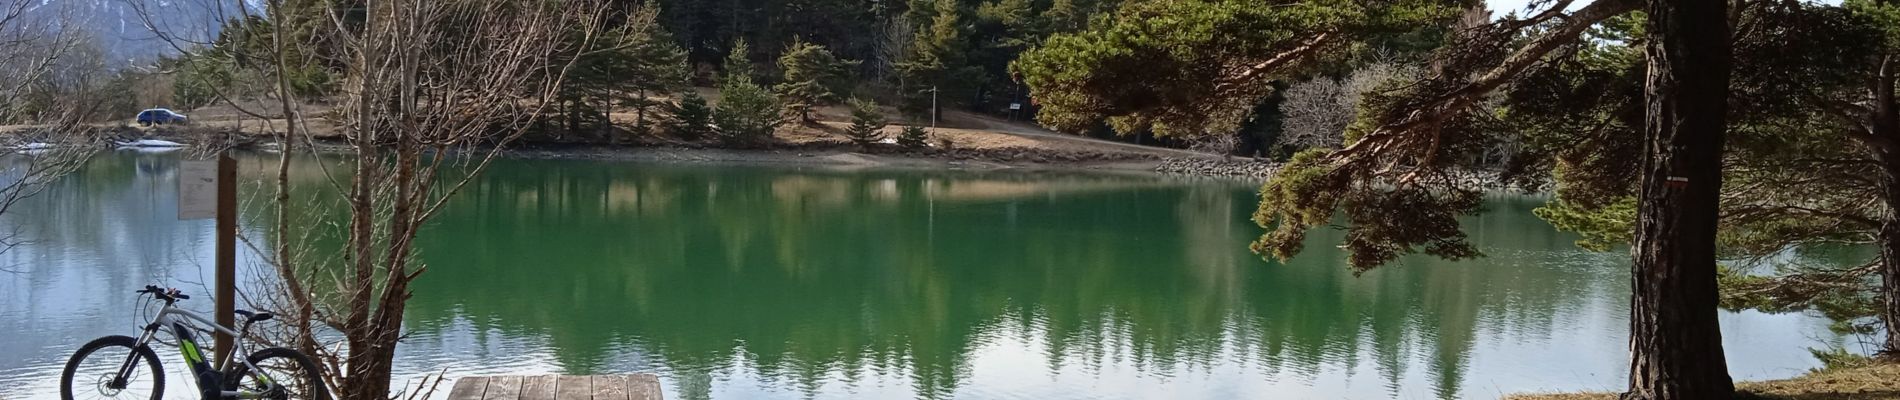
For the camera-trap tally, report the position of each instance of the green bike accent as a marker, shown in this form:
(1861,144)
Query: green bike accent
(191,352)
(263,381)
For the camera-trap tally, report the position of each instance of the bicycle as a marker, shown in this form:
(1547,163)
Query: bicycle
(253,377)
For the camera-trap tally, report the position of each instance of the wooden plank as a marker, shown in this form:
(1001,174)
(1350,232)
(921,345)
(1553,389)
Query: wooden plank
(643,387)
(553,387)
(468,388)
(537,387)
(569,387)
(610,387)
(503,388)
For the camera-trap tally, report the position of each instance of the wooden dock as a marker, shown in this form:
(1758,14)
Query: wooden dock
(552,387)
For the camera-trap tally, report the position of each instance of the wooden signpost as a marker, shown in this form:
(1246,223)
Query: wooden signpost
(208,189)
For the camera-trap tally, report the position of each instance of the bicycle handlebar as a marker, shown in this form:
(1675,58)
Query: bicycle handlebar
(167,294)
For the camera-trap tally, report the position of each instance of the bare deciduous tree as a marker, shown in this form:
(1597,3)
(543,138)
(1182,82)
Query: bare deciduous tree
(27,173)
(433,91)
(1319,111)
(35,43)
(50,83)
(1222,144)
(891,45)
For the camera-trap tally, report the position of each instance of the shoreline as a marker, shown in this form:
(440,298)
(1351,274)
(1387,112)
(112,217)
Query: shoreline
(827,157)
(800,152)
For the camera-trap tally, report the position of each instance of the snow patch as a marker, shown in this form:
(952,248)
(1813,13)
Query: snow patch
(151,143)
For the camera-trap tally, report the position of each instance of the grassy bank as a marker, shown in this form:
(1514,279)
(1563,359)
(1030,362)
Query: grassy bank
(1881,381)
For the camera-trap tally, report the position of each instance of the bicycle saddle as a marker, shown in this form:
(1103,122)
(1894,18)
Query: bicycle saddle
(254,316)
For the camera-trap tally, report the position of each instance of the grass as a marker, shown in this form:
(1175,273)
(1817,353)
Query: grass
(1879,381)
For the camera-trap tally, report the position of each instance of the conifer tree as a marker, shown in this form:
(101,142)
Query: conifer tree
(692,119)
(867,124)
(747,114)
(914,137)
(813,77)
(738,64)
(936,65)
(1196,67)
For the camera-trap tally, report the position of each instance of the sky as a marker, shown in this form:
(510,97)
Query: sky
(1502,7)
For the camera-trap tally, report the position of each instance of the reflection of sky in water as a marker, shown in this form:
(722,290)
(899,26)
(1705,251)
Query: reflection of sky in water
(767,283)
(1011,362)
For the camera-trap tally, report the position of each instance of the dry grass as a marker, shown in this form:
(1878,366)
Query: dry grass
(1562,396)
(1862,383)
(1871,382)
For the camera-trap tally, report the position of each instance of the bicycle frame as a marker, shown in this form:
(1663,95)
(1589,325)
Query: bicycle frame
(210,378)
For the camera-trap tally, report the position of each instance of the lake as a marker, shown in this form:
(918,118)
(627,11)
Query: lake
(798,282)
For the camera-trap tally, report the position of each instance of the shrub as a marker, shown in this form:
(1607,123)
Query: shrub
(914,137)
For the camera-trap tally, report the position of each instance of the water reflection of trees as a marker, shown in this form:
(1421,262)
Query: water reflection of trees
(811,279)
(118,210)
(88,240)
(807,274)
(797,275)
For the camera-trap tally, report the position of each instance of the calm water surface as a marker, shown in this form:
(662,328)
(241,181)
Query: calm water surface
(742,282)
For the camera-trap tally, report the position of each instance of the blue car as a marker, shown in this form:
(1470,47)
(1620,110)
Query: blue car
(159,116)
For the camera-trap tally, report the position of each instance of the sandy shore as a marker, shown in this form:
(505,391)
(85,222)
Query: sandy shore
(827,157)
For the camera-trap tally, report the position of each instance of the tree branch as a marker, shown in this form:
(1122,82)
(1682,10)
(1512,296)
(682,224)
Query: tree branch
(1457,100)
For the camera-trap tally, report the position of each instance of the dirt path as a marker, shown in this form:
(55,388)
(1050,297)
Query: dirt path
(989,123)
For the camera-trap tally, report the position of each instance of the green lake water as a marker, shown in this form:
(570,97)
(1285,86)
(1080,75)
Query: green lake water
(784,282)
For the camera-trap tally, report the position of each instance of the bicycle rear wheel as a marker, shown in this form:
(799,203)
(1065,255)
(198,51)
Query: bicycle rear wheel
(93,372)
(281,374)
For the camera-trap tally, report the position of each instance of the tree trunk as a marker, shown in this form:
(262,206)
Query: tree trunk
(369,363)
(1890,256)
(639,121)
(573,118)
(305,341)
(1886,129)
(1675,338)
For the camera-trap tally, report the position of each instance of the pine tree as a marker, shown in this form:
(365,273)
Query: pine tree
(1798,173)
(867,124)
(936,61)
(658,69)
(914,137)
(701,26)
(813,77)
(738,65)
(624,67)
(747,113)
(693,118)
(1187,68)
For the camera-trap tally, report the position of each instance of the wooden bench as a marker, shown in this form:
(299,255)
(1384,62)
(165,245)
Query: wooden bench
(553,387)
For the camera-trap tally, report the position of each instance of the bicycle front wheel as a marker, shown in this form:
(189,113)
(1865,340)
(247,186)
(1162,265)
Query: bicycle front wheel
(95,372)
(281,374)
